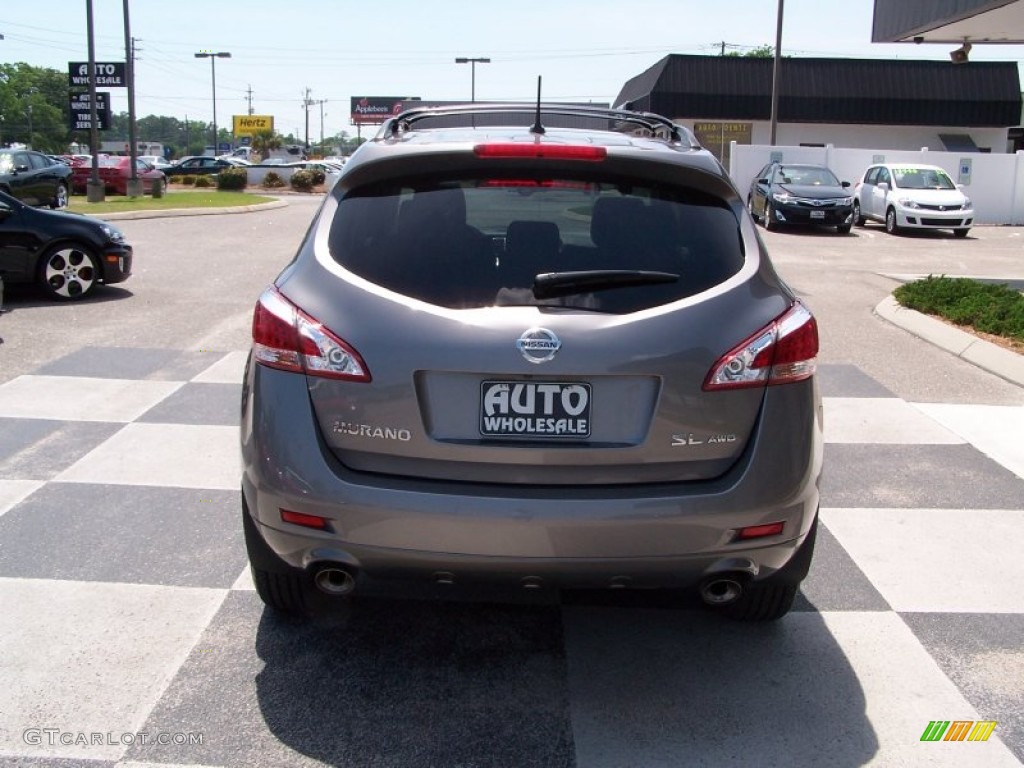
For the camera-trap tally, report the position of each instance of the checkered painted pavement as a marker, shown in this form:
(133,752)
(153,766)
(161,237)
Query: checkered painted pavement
(131,635)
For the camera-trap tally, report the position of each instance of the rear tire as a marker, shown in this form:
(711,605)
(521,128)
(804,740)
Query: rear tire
(858,218)
(60,197)
(285,589)
(772,598)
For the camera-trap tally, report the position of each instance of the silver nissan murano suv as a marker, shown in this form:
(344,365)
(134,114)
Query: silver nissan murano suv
(539,345)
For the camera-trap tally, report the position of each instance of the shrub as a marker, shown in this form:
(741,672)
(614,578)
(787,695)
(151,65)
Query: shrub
(995,309)
(232,179)
(188,179)
(302,181)
(319,177)
(204,181)
(272,180)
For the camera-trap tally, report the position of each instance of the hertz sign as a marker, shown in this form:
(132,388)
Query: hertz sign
(247,125)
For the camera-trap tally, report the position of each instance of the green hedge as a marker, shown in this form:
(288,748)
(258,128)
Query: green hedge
(303,181)
(273,180)
(232,179)
(989,308)
(204,181)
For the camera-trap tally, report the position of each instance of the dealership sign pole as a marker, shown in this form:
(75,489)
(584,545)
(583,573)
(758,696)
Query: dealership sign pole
(94,187)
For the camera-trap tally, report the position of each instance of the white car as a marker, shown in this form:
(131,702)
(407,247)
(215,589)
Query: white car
(912,196)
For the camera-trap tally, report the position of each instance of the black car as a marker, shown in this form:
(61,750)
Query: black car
(198,166)
(34,178)
(786,193)
(68,254)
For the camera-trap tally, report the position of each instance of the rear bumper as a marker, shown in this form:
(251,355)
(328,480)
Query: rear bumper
(646,535)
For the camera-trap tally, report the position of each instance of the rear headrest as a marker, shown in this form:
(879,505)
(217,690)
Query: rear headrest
(615,220)
(434,209)
(533,236)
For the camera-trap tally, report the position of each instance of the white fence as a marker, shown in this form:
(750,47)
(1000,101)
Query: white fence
(995,183)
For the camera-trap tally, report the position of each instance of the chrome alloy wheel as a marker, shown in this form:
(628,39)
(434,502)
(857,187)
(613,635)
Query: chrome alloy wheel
(69,272)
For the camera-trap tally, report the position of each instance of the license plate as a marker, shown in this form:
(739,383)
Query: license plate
(817,214)
(535,409)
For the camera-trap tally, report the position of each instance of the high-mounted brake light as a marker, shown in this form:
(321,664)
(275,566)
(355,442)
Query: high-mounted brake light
(782,352)
(285,337)
(537,149)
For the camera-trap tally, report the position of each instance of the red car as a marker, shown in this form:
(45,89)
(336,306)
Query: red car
(115,171)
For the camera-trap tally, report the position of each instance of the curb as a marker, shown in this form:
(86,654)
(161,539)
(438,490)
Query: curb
(170,212)
(984,354)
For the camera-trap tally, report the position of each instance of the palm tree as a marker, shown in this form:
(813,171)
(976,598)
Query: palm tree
(264,142)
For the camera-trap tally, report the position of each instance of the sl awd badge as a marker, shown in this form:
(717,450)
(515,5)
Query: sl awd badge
(690,439)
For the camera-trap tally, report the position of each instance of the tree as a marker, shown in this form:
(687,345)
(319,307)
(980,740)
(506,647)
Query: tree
(264,142)
(760,52)
(34,107)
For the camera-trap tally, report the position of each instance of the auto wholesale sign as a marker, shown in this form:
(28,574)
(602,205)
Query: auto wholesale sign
(247,125)
(109,74)
(81,116)
(370,110)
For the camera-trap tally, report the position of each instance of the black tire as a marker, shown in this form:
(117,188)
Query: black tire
(844,229)
(60,197)
(960,232)
(890,222)
(750,207)
(858,219)
(69,271)
(285,589)
(769,218)
(772,598)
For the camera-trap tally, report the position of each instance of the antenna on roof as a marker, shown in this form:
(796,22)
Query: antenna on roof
(537,127)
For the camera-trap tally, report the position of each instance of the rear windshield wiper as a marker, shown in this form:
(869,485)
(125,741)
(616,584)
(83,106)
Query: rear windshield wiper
(553,284)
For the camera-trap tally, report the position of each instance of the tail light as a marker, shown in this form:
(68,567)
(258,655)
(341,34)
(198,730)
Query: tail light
(285,337)
(535,149)
(782,352)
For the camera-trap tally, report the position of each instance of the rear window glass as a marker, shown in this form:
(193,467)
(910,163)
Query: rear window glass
(483,242)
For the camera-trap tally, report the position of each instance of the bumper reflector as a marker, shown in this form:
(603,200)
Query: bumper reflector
(308,521)
(759,531)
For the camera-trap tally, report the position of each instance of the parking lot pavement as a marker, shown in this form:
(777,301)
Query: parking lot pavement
(131,635)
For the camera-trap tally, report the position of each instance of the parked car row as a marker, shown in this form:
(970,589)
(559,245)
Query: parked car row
(901,196)
(34,178)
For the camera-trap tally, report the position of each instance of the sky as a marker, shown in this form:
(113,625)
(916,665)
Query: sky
(585,50)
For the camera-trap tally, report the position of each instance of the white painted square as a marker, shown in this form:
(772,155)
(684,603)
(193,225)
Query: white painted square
(936,560)
(228,370)
(995,430)
(88,657)
(904,689)
(14,491)
(244,582)
(886,420)
(171,455)
(78,398)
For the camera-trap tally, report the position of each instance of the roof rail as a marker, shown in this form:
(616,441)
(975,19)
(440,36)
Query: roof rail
(657,125)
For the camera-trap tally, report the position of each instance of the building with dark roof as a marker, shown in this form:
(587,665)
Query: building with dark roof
(890,104)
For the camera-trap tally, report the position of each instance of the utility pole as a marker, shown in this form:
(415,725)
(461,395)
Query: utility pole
(134,185)
(94,192)
(306,103)
(249,98)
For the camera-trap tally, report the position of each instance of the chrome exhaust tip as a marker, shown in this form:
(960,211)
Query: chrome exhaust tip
(720,590)
(334,581)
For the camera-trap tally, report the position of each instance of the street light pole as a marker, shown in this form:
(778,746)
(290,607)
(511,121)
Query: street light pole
(472,68)
(213,56)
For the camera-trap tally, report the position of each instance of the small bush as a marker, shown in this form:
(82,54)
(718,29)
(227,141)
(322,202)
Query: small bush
(302,181)
(232,179)
(319,177)
(204,181)
(272,180)
(188,179)
(995,309)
